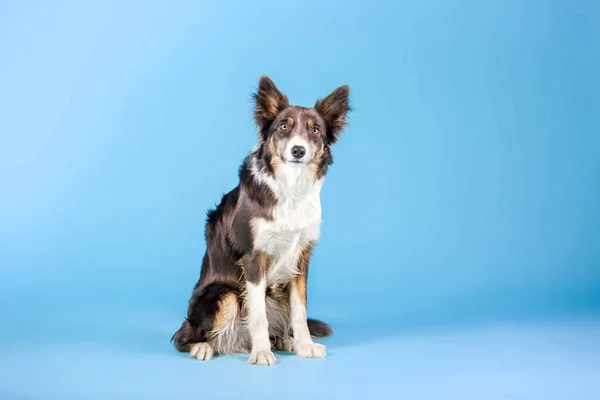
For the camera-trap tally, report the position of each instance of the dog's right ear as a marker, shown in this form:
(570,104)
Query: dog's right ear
(269,102)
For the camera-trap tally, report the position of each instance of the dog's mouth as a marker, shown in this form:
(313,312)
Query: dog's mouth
(296,163)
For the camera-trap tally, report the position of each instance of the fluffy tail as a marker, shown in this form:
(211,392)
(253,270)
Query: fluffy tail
(318,328)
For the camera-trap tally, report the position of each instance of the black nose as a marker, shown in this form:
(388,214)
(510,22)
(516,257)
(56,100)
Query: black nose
(298,152)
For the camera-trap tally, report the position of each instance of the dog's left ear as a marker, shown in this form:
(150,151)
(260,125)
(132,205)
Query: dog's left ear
(269,102)
(334,109)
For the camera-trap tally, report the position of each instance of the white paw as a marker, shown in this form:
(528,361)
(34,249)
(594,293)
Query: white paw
(284,344)
(201,351)
(262,357)
(310,350)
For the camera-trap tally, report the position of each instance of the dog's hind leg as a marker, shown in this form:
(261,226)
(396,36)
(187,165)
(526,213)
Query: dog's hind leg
(213,323)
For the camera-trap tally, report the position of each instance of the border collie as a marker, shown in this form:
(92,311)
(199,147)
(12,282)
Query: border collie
(251,295)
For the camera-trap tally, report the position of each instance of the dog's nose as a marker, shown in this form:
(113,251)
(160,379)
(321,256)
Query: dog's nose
(298,152)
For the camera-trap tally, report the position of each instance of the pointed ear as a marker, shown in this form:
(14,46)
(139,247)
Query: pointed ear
(268,103)
(334,110)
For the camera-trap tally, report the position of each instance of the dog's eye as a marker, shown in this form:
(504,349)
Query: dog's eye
(283,126)
(315,130)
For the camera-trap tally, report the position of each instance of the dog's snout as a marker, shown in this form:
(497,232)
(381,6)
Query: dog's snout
(298,152)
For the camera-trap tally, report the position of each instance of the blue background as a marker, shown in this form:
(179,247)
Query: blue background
(460,251)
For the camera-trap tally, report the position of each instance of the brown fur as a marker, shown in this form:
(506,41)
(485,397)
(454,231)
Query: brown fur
(302,276)
(255,265)
(334,108)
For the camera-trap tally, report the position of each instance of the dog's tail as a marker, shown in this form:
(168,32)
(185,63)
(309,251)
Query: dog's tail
(318,328)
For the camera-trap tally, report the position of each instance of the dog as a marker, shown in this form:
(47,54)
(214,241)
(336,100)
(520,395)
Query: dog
(251,295)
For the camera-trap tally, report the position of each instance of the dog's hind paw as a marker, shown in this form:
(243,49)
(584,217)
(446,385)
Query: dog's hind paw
(201,351)
(284,344)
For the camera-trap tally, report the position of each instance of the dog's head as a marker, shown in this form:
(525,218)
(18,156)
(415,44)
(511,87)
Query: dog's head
(299,136)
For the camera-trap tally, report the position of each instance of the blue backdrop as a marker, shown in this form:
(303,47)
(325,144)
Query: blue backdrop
(466,189)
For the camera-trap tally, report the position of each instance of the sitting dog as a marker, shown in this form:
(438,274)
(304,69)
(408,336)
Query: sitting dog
(251,295)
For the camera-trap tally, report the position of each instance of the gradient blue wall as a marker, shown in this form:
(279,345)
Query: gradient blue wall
(467,185)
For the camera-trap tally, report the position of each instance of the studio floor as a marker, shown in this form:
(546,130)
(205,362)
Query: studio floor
(114,354)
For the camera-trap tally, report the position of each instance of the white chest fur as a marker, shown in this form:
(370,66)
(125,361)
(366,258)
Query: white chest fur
(296,221)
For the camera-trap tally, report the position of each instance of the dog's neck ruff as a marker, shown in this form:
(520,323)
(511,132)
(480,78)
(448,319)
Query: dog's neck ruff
(289,183)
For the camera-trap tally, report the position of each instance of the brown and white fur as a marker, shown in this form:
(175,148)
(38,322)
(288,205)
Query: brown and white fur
(251,295)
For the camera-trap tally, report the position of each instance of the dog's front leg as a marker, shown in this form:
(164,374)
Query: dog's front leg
(303,343)
(255,267)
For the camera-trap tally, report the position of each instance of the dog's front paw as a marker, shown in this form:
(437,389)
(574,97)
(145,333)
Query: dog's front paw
(201,351)
(262,357)
(311,350)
